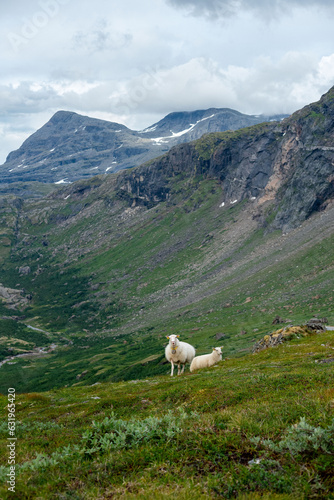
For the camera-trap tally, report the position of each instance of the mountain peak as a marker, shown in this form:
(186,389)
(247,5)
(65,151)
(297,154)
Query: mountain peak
(71,146)
(62,115)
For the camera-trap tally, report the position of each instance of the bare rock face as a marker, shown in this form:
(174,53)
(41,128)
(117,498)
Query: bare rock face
(13,298)
(318,324)
(71,147)
(284,167)
(24,270)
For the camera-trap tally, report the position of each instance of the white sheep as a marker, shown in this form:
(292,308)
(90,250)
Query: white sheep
(179,353)
(207,360)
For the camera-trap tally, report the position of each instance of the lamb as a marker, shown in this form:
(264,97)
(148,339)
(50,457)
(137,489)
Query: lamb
(179,353)
(207,360)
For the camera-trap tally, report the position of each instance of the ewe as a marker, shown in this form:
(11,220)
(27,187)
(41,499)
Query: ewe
(207,360)
(179,353)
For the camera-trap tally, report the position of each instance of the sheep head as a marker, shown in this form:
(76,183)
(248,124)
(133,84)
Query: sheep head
(173,340)
(218,350)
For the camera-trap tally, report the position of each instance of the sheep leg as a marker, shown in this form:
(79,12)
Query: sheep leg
(172,370)
(182,369)
(178,368)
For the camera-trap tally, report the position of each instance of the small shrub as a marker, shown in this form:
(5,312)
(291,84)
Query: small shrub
(115,434)
(21,427)
(264,477)
(44,461)
(303,438)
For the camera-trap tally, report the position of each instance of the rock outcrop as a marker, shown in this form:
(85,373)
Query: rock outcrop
(13,298)
(279,336)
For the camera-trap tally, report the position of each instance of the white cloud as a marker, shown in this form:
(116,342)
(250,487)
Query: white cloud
(265,87)
(101,37)
(214,9)
(326,70)
(135,62)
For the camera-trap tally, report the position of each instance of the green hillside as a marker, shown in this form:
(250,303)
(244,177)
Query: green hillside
(260,426)
(108,282)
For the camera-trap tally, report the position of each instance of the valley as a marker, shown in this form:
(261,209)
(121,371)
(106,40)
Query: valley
(173,246)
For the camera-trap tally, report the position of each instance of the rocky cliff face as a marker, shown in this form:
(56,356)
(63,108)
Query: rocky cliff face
(287,165)
(307,152)
(71,147)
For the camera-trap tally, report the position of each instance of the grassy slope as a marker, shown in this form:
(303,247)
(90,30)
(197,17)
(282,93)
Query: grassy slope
(209,456)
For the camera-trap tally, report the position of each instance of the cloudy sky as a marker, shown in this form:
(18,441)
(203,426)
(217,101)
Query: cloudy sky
(134,62)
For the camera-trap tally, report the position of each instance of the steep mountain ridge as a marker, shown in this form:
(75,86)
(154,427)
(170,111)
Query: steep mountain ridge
(288,164)
(71,146)
(191,125)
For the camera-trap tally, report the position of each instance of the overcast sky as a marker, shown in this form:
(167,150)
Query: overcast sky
(134,62)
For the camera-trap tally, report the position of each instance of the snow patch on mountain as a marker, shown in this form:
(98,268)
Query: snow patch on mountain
(63,181)
(164,140)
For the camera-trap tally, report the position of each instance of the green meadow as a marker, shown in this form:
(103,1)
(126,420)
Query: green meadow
(258,426)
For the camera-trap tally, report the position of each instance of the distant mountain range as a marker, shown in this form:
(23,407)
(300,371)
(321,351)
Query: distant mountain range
(70,146)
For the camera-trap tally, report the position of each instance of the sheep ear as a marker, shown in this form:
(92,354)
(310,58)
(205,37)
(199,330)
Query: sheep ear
(177,336)
(167,337)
